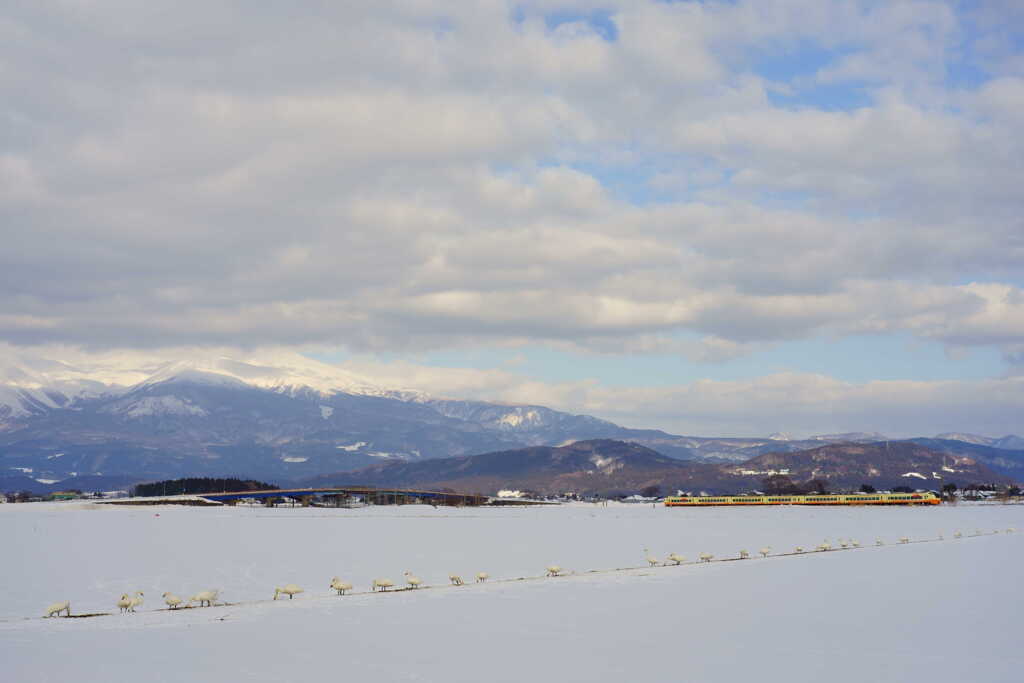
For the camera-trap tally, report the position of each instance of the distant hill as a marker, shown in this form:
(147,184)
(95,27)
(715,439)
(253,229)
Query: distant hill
(607,466)
(883,465)
(596,466)
(1001,460)
(1010,441)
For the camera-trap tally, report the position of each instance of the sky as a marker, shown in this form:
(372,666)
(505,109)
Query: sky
(727,218)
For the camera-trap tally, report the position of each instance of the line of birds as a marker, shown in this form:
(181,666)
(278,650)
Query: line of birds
(128,602)
(825,546)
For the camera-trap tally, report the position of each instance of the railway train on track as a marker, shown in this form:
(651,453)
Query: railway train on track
(826,499)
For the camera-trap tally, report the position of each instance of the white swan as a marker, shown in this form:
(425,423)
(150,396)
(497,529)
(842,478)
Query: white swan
(171,600)
(879,541)
(56,608)
(957,534)
(204,598)
(382,584)
(855,543)
(481,577)
(676,559)
(554,570)
(765,551)
(653,561)
(340,586)
(413,581)
(291,590)
(456,580)
(128,603)
(706,557)
(798,549)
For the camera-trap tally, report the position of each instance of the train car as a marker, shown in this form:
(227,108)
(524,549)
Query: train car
(826,499)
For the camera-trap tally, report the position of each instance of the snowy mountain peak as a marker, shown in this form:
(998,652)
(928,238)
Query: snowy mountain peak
(31,383)
(180,372)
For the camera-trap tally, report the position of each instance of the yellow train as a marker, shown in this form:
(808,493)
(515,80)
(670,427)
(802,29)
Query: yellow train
(830,499)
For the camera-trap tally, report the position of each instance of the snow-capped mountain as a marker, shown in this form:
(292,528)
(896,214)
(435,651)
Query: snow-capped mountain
(277,416)
(30,383)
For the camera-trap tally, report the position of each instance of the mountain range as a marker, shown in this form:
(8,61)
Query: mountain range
(613,467)
(285,417)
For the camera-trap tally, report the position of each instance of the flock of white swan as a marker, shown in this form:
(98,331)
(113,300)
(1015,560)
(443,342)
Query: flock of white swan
(208,598)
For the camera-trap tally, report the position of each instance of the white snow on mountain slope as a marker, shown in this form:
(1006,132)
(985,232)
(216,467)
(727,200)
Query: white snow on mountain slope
(18,402)
(519,417)
(285,372)
(157,405)
(184,371)
(606,465)
(849,436)
(967,438)
(31,383)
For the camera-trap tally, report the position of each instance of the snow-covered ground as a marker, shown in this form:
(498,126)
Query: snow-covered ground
(941,611)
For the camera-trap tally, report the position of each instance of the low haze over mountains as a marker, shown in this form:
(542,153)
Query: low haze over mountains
(286,417)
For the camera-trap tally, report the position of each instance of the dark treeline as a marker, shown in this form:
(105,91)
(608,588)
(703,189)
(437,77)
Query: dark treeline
(191,485)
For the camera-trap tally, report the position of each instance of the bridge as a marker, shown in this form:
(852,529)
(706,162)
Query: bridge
(342,495)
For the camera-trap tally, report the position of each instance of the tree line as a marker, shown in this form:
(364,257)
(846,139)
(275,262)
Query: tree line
(197,485)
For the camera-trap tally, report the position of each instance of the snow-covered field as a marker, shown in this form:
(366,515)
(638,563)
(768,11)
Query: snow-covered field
(938,611)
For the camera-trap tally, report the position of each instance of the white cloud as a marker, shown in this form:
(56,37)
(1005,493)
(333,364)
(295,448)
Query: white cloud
(802,404)
(397,176)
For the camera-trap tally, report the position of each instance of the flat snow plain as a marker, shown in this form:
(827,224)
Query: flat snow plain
(938,611)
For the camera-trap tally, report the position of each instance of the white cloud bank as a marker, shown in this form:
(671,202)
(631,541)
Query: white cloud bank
(798,403)
(406,176)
